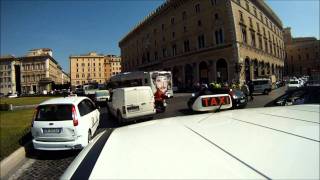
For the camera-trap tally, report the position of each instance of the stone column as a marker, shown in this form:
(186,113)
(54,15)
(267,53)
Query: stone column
(195,67)
(183,76)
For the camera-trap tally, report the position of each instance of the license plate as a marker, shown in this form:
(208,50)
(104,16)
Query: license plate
(215,101)
(51,130)
(242,100)
(133,108)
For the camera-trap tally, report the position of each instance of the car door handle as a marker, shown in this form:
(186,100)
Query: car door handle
(143,103)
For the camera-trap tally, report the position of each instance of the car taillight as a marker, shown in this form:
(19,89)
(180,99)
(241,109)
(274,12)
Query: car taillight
(74,116)
(34,115)
(123,109)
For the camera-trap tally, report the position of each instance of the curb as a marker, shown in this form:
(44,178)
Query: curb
(11,162)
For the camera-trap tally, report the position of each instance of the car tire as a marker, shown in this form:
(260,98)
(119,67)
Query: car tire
(266,92)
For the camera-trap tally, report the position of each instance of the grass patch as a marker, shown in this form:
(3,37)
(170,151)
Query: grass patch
(14,126)
(24,100)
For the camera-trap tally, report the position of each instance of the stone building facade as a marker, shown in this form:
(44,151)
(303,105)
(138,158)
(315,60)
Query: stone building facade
(9,74)
(37,71)
(206,41)
(302,55)
(92,67)
(115,64)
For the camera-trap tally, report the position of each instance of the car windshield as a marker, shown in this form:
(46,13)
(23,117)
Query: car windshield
(102,93)
(293,82)
(238,93)
(54,113)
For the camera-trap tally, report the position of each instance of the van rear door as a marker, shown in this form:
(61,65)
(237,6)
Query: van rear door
(132,101)
(146,100)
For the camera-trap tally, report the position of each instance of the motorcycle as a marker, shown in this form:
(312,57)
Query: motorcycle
(160,106)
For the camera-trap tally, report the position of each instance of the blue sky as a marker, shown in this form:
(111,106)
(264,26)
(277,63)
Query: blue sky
(78,27)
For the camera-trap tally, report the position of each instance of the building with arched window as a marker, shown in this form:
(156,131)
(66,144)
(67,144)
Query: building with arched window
(206,41)
(302,55)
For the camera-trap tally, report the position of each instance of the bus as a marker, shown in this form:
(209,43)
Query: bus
(157,80)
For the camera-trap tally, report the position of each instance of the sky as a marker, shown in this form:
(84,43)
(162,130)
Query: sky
(73,27)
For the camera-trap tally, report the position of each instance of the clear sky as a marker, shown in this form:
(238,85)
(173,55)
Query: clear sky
(78,27)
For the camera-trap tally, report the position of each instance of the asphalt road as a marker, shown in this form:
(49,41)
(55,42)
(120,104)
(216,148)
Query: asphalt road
(51,165)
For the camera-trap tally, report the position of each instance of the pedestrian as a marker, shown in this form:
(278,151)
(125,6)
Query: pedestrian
(245,89)
(251,89)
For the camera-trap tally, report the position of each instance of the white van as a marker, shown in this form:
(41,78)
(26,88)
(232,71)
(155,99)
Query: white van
(262,85)
(131,103)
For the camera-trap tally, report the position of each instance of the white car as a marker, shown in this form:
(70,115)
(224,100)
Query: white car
(102,96)
(262,85)
(294,83)
(260,143)
(64,123)
(14,95)
(130,103)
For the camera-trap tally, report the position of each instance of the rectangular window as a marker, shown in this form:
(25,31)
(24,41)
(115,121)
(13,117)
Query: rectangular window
(174,50)
(201,43)
(250,22)
(247,6)
(155,56)
(241,16)
(213,2)
(260,42)
(197,8)
(164,52)
(184,15)
(172,20)
(186,46)
(253,39)
(244,34)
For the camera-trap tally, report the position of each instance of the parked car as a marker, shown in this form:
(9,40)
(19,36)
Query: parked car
(64,123)
(44,92)
(31,93)
(294,83)
(260,143)
(262,85)
(102,96)
(239,99)
(302,95)
(130,103)
(13,95)
(209,99)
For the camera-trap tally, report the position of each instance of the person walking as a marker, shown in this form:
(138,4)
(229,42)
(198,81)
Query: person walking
(251,89)
(245,89)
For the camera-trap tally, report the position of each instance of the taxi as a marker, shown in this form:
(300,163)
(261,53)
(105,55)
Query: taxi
(210,100)
(261,143)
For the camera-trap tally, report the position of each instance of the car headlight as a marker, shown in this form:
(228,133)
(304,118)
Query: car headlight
(235,96)
(193,94)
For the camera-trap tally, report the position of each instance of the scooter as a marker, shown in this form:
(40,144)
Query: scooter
(160,106)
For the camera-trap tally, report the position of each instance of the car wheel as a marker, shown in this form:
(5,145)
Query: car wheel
(89,136)
(266,92)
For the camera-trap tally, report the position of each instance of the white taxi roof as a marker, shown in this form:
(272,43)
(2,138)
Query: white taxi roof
(262,143)
(64,100)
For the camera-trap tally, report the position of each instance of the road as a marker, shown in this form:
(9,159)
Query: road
(51,165)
